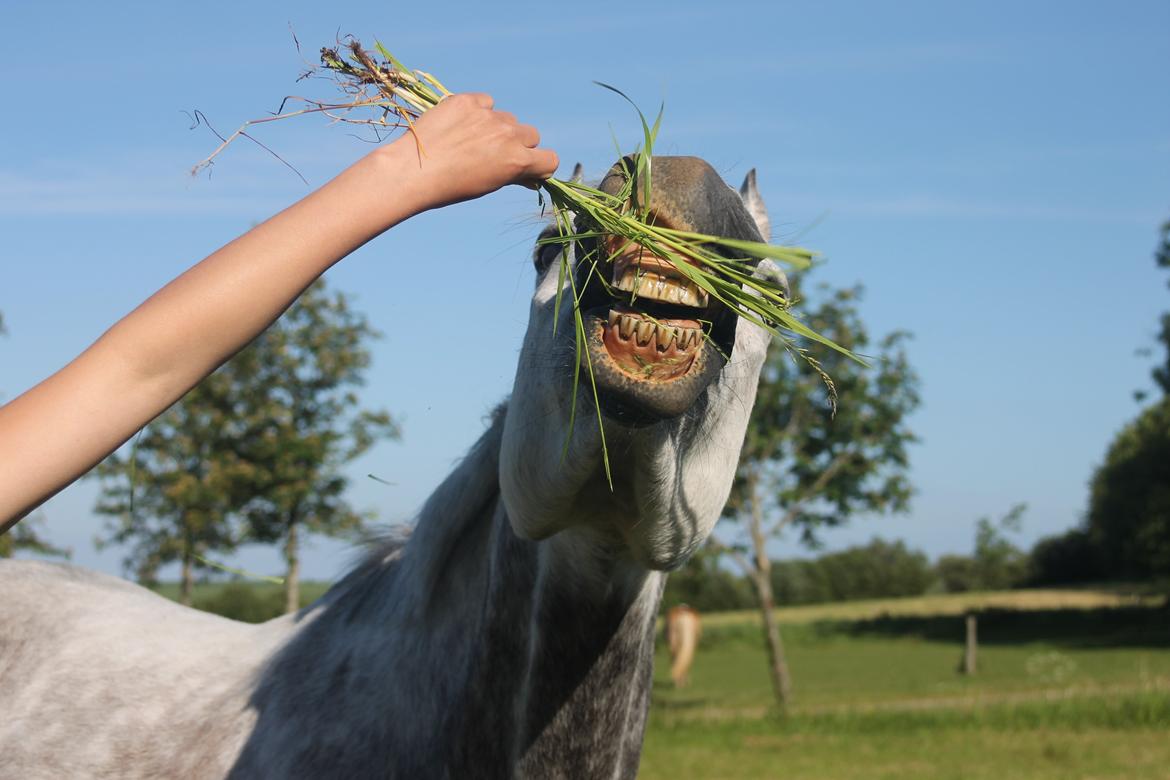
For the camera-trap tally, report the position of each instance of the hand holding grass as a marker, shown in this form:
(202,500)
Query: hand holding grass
(466,149)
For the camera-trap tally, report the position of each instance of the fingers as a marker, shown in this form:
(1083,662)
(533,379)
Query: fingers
(528,135)
(482,99)
(542,164)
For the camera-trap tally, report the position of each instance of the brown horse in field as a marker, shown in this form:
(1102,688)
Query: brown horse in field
(682,638)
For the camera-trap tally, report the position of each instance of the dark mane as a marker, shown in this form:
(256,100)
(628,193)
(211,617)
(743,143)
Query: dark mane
(467,495)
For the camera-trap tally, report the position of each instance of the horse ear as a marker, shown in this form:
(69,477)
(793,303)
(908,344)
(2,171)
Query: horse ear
(755,204)
(578,173)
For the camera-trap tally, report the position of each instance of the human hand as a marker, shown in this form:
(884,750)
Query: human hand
(463,149)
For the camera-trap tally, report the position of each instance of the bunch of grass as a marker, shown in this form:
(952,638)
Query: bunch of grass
(384,95)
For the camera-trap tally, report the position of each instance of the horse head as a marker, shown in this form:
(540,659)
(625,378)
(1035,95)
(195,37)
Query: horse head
(675,373)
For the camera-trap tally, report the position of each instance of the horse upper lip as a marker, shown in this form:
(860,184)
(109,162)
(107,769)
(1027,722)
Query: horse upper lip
(645,275)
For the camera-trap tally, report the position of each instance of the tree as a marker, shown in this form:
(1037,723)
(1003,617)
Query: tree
(806,465)
(879,569)
(26,536)
(1162,258)
(1129,501)
(260,441)
(995,563)
(706,585)
(1065,559)
(1129,498)
(999,564)
(300,377)
(172,496)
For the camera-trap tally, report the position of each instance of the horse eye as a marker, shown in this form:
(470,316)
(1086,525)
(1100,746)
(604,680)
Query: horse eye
(545,254)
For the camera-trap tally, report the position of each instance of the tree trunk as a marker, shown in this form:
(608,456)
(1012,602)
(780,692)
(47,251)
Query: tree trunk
(777,660)
(762,579)
(292,577)
(187,581)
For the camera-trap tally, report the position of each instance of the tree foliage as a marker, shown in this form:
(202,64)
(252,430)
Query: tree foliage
(995,563)
(1162,259)
(1129,502)
(1129,499)
(879,569)
(27,536)
(1070,558)
(707,586)
(813,465)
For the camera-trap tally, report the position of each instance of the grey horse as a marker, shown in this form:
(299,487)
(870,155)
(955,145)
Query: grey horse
(510,635)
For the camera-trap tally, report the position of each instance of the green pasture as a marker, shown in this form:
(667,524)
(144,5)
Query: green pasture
(1070,684)
(1124,737)
(914,660)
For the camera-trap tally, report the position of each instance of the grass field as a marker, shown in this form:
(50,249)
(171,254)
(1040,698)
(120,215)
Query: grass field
(1071,684)
(1112,737)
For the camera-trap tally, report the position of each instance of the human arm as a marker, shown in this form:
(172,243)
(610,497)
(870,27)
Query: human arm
(62,427)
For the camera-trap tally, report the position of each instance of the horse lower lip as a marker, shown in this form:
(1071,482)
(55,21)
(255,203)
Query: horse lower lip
(647,399)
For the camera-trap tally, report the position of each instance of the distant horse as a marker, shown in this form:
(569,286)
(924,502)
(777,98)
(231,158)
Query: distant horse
(682,638)
(512,633)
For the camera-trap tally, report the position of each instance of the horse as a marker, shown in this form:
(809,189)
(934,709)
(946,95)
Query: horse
(509,634)
(683,630)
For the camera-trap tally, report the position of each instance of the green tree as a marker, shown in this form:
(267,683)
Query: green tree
(879,569)
(806,466)
(1129,501)
(1162,259)
(297,382)
(995,563)
(170,498)
(999,564)
(1065,559)
(1129,498)
(706,585)
(26,536)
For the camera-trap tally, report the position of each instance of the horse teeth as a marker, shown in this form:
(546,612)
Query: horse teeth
(645,333)
(659,287)
(626,325)
(666,336)
(613,318)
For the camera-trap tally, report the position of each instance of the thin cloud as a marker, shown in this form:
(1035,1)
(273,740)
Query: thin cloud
(930,206)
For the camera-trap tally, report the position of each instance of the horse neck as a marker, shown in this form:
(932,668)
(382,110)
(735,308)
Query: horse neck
(564,666)
(492,655)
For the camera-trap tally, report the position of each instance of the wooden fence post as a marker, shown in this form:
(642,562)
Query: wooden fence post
(972,647)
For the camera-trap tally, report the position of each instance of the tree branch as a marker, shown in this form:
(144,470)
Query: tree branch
(735,554)
(822,480)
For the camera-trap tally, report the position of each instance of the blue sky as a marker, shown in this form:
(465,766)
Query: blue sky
(993,173)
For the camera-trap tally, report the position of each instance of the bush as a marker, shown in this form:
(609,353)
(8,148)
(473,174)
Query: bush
(705,585)
(243,601)
(957,573)
(1066,559)
(877,570)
